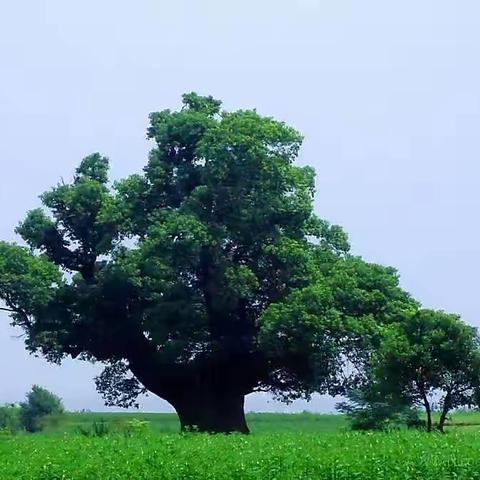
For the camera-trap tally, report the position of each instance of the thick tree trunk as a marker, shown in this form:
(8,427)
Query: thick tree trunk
(214,412)
(208,397)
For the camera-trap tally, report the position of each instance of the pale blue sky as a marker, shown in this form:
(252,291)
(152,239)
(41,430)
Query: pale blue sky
(387,94)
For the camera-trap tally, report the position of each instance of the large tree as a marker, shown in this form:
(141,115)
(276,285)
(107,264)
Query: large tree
(202,279)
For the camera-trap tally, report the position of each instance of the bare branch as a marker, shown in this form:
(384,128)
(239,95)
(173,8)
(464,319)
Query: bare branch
(7,310)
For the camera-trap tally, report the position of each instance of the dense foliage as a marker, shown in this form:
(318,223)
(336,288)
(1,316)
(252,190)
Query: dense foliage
(39,404)
(368,408)
(206,277)
(429,357)
(10,419)
(203,278)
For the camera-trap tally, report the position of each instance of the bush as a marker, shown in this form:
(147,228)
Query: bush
(40,404)
(97,429)
(136,427)
(10,420)
(369,410)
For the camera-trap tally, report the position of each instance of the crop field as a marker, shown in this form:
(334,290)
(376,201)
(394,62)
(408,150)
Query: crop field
(303,446)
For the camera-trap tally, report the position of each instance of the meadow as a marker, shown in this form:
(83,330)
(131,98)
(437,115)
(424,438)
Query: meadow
(281,447)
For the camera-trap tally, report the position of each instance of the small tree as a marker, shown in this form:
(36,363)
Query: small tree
(431,354)
(39,404)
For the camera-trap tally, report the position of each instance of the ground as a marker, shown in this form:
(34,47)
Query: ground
(281,447)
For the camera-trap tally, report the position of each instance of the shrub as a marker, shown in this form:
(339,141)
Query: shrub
(135,427)
(40,403)
(10,420)
(96,429)
(368,410)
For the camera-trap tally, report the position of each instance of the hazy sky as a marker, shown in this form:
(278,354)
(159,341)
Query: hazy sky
(387,94)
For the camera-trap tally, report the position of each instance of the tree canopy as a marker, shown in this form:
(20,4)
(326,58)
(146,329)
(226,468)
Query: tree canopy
(203,278)
(431,356)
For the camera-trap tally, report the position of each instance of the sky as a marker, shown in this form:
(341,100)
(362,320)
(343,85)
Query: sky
(387,94)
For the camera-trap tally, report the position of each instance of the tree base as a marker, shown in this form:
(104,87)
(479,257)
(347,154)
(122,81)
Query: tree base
(221,413)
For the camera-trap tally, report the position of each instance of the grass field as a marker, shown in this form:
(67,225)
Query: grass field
(168,422)
(281,447)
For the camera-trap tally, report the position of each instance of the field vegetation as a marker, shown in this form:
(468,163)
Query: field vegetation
(297,446)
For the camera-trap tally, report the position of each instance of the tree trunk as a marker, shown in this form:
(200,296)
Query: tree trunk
(214,412)
(428,411)
(441,422)
(443,416)
(207,398)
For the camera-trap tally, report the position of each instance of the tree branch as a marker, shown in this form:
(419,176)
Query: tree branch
(7,310)
(27,321)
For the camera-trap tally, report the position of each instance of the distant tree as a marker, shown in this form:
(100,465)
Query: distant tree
(39,404)
(202,279)
(430,355)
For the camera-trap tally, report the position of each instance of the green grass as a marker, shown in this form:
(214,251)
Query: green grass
(168,422)
(281,447)
(463,418)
